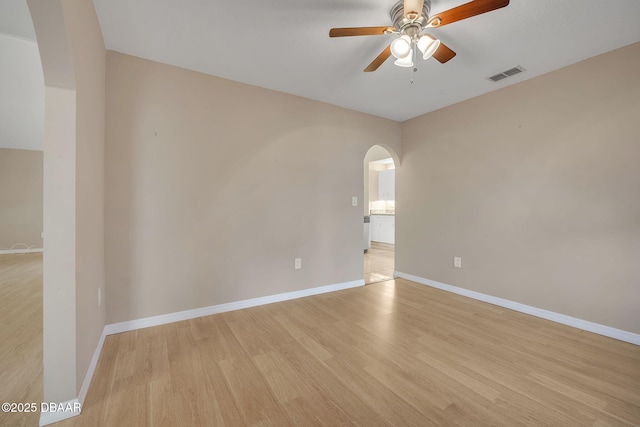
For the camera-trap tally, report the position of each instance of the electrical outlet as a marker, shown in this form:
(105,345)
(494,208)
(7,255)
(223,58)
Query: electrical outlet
(457,261)
(297,263)
(354,201)
(99,296)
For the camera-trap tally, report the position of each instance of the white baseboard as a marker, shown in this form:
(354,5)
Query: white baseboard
(131,325)
(92,368)
(63,411)
(21,251)
(47,418)
(596,328)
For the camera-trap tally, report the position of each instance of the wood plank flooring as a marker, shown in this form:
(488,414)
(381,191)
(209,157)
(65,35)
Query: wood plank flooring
(379,263)
(20,335)
(392,353)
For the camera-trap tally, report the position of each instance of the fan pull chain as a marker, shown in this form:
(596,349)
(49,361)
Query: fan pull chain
(415,60)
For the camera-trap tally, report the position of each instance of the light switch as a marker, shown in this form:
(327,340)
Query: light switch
(297,263)
(457,261)
(354,201)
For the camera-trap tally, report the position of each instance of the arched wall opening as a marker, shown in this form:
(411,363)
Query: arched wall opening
(58,202)
(73,60)
(379,209)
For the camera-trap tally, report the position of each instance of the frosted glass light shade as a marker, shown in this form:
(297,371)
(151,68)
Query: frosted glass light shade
(428,46)
(407,61)
(401,46)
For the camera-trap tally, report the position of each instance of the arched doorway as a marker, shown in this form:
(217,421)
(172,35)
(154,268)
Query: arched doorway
(379,204)
(73,64)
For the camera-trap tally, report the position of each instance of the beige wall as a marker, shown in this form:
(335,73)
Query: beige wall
(214,187)
(59,260)
(72,54)
(20,198)
(537,188)
(89,56)
(59,216)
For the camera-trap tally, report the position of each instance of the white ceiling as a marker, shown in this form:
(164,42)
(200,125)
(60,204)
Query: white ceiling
(16,20)
(21,79)
(284,45)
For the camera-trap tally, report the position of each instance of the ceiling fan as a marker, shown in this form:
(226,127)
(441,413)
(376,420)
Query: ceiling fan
(410,19)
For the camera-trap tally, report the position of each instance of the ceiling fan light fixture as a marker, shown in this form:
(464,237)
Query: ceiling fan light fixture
(428,46)
(407,61)
(401,47)
(410,18)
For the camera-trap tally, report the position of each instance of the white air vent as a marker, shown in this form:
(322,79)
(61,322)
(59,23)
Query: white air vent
(508,73)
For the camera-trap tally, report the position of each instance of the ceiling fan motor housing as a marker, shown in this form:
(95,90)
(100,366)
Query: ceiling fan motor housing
(400,22)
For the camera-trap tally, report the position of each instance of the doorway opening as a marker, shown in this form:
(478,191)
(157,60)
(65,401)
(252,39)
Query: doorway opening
(380,206)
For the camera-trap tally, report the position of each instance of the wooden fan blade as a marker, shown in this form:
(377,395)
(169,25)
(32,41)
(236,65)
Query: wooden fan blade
(443,54)
(379,60)
(413,9)
(359,31)
(467,10)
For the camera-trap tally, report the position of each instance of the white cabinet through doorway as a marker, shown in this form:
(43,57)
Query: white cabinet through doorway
(383,229)
(387,184)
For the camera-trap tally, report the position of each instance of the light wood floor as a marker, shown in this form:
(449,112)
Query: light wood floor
(20,335)
(392,353)
(379,263)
